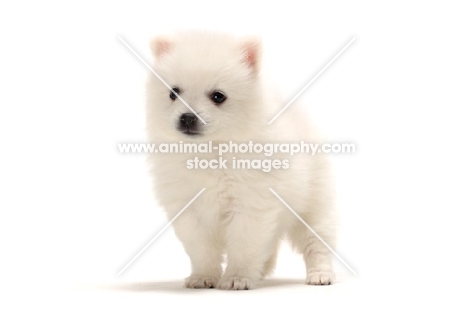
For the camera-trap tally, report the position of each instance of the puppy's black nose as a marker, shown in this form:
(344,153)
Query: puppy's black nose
(188,120)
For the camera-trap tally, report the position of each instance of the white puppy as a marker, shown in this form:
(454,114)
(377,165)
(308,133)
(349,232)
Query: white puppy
(237,218)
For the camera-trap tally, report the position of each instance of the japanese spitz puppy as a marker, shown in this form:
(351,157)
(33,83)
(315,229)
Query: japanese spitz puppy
(237,220)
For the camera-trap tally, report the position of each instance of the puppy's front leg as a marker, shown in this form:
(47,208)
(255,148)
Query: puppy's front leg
(250,241)
(202,245)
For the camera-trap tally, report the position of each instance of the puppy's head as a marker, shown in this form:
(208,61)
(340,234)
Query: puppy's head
(210,86)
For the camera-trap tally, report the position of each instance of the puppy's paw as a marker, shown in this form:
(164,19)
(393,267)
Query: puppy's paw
(197,281)
(235,283)
(320,278)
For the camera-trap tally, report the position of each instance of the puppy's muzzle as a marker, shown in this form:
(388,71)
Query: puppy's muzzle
(188,124)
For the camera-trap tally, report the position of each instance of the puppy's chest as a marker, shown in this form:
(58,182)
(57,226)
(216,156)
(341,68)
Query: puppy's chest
(226,192)
(226,189)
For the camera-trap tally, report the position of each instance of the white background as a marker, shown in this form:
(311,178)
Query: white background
(74,210)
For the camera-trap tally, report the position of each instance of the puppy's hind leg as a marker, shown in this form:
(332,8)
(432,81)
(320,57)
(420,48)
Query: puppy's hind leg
(317,257)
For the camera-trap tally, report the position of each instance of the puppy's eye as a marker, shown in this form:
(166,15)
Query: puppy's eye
(217,97)
(172,95)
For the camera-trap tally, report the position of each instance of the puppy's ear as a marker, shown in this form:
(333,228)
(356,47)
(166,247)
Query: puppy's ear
(161,46)
(252,53)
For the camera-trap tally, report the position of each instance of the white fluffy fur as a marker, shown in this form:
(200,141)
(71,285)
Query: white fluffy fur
(237,216)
